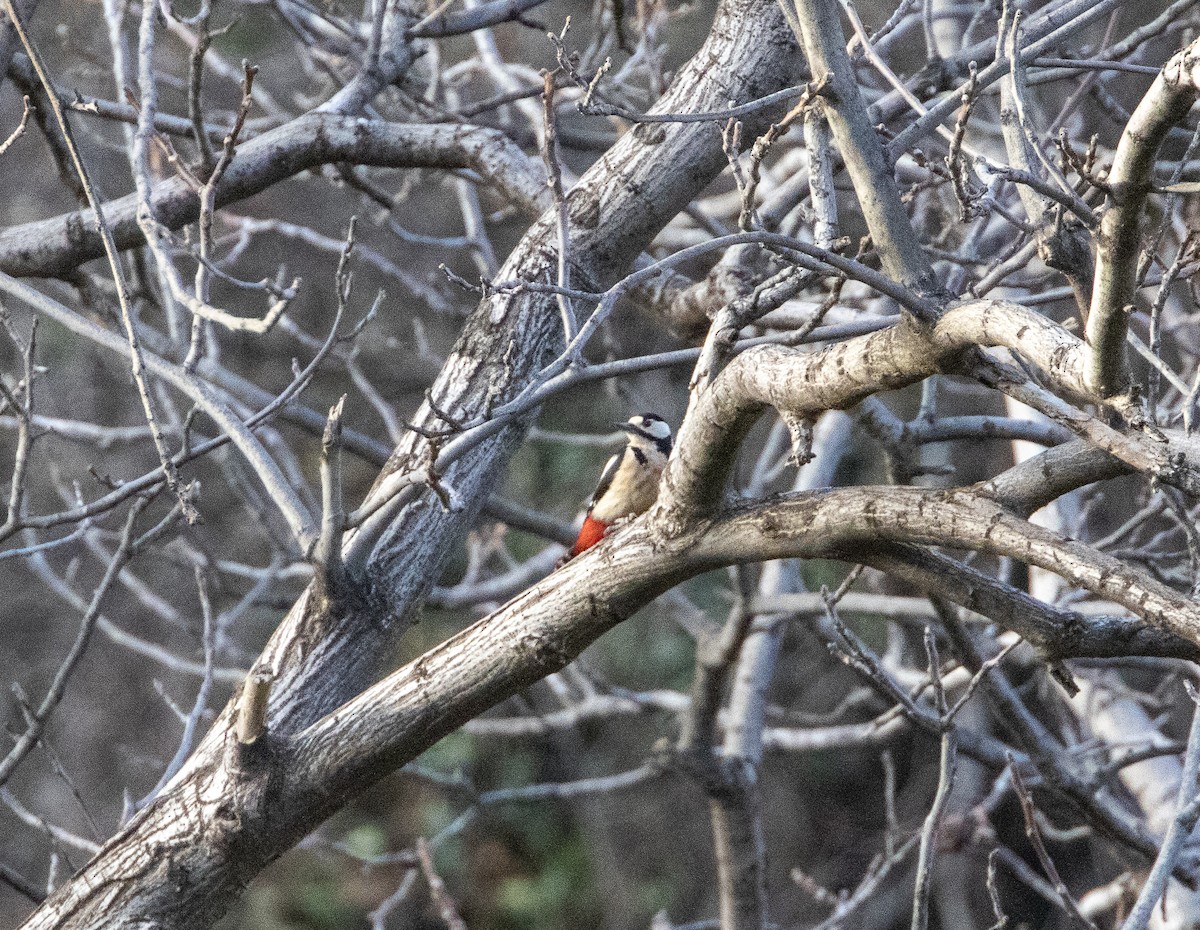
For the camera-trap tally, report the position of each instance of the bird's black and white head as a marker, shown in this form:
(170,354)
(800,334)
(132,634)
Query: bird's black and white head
(649,434)
(629,483)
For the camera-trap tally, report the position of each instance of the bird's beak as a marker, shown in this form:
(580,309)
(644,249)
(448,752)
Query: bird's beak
(625,427)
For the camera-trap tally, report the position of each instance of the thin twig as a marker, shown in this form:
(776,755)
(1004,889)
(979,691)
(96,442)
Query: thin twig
(54,694)
(137,362)
(947,765)
(1035,839)
(1187,813)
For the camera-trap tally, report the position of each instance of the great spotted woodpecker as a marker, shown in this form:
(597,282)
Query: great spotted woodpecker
(629,482)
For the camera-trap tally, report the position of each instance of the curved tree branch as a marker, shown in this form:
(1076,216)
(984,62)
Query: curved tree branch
(805,384)
(57,246)
(544,628)
(1055,632)
(1165,104)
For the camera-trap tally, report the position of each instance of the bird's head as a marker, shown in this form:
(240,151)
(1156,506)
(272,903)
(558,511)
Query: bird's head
(649,432)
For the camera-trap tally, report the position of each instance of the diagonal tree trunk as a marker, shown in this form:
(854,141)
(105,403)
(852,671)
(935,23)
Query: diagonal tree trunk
(183,860)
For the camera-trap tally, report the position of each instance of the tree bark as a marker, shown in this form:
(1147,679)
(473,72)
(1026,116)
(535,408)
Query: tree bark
(232,810)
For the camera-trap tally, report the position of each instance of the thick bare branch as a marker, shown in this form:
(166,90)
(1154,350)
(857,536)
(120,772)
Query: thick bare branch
(835,378)
(55,247)
(1129,183)
(326,649)
(874,183)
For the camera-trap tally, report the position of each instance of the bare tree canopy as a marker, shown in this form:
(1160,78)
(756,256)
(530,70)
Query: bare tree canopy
(317,318)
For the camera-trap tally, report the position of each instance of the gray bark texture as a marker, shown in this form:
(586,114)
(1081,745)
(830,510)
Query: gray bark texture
(795,325)
(231,811)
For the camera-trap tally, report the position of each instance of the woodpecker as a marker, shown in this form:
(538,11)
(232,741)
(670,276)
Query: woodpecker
(629,482)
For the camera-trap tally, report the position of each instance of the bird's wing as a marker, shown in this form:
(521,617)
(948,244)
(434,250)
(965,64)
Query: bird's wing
(606,479)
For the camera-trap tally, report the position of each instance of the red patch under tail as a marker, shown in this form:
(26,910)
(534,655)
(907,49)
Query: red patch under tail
(590,533)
